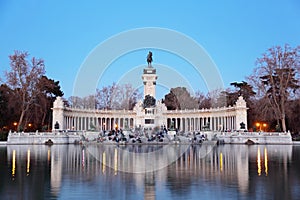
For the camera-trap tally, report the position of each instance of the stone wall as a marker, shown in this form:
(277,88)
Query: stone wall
(256,137)
(42,137)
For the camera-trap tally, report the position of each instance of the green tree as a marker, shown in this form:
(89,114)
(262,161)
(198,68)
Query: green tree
(244,89)
(171,101)
(41,115)
(10,107)
(149,101)
(293,115)
(179,98)
(4,112)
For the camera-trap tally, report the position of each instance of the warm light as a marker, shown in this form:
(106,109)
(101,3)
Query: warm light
(28,161)
(264,125)
(258,126)
(29,125)
(83,159)
(15,124)
(103,162)
(221,161)
(13,163)
(266,161)
(49,154)
(258,162)
(116,161)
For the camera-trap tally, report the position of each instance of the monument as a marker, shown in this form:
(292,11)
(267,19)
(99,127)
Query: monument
(150,113)
(149,77)
(149,59)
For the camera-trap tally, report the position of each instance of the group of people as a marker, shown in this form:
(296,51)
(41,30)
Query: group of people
(120,136)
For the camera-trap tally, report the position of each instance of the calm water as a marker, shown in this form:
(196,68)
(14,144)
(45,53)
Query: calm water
(192,172)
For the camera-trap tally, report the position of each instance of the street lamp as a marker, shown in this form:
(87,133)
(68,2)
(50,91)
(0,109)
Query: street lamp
(15,125)
(265,126)
(29,126)
(258,126)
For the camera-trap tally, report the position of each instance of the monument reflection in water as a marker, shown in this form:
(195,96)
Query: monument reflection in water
(94,171)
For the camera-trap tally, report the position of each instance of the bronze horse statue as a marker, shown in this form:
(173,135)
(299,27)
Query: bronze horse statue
(149,58)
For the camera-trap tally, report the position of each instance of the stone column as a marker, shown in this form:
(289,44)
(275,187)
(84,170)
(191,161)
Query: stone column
(181,124)
(58,113)
(209,120)
(82,123)
(76,123)
(241,113)
(201,123)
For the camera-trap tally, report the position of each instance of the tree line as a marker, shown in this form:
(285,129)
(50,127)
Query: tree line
(271,92)
(111,97)
(27,95)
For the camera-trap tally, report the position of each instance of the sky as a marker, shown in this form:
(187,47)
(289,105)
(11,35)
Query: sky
(65,34)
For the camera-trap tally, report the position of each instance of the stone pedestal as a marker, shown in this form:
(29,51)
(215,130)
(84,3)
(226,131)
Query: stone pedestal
(149,78)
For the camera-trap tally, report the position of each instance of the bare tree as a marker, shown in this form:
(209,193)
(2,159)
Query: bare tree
(204,101)
(23,79)
(129,96)
(75,102)
(217,98)
(89,102)
(276,78)
(117,97)
(105,96)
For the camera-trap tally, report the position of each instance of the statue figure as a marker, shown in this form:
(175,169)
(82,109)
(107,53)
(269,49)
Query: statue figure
(242,125)
(149,59)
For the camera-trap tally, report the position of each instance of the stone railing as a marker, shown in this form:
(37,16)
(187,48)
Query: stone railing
(241,133)
(99,111)
(37,133)
(218,109)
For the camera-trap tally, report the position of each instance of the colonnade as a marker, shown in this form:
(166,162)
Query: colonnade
(97,123)
(215,119)
(186,124)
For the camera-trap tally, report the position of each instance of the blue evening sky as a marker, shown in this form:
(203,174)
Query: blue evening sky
(63,33)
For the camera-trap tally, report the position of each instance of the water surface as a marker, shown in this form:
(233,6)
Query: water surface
(199,172)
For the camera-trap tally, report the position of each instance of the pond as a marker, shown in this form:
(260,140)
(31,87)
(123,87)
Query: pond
(150,172)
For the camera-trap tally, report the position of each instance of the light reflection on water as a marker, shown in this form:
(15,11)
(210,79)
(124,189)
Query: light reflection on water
(258,162)
(227,171)
(266,161)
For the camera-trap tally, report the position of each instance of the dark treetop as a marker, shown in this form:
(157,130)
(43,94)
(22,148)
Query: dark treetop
(149,101)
